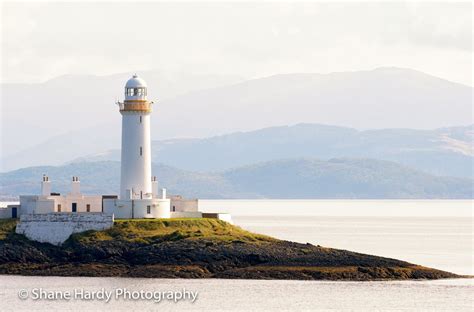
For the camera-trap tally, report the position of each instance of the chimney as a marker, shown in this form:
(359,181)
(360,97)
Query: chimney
(75,186)
(163,193)
(45,186)
(154,188)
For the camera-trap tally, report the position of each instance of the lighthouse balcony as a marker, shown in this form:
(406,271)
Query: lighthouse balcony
(135,106)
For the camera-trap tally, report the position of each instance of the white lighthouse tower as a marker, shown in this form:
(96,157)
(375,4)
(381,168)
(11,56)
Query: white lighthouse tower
(139,196)
(135,175)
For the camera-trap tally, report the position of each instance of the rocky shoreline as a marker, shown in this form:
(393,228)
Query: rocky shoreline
(194,248)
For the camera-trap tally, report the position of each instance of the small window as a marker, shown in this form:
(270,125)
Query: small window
(140,119)
(141,151)
(148,209)
(88,207)
(131,91)
(59,207)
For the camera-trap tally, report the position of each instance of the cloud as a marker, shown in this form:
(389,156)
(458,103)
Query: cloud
(251,39)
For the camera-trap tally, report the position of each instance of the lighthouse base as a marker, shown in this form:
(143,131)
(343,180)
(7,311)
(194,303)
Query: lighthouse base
(138,208)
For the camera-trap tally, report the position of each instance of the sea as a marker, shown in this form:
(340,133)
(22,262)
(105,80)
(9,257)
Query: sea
(433,233)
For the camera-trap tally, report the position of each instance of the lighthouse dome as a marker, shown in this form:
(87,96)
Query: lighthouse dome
(135,89)
(135,82)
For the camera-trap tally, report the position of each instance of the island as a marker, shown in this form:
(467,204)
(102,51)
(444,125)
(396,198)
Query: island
(194,248)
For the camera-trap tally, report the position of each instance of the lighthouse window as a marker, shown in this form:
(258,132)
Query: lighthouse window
(141,151)
(135,91)
(140,119)
(148,209)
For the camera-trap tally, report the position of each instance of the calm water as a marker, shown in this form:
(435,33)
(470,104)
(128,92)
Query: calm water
(248,295)
(443,240)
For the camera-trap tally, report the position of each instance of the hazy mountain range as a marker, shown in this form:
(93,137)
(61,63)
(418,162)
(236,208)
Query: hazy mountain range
(416,148)
(49,115)
(290,178)
(73,116)
(444,152)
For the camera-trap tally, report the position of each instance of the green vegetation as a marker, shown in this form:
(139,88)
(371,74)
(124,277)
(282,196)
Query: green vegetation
(193,248)
(160,230)
(7,227)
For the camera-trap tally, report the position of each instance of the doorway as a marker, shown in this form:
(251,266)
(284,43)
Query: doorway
(14,213)
(74,207)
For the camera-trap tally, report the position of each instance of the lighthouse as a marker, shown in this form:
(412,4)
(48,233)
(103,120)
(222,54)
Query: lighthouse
(135,173)
(139,196)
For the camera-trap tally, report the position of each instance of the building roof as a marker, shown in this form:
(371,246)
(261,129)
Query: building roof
(135,82)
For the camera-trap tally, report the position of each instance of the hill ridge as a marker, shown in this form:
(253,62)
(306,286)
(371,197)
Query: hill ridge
(293,178)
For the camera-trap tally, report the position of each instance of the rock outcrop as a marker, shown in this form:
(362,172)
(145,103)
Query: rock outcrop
(194,248)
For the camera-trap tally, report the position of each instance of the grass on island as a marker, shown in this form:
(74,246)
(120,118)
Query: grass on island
(156,230)
(346,265)
(7,227)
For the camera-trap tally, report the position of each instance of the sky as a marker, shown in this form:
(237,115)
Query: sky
(41,41)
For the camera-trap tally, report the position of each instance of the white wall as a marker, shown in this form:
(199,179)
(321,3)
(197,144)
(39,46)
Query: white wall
(55,228)
(95,202)
(121,209)
(186,214)
(180,204)
(28,203)
(4,213)
(137,209)
(159,208)
(44,205)
(47,204)
(135,168)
